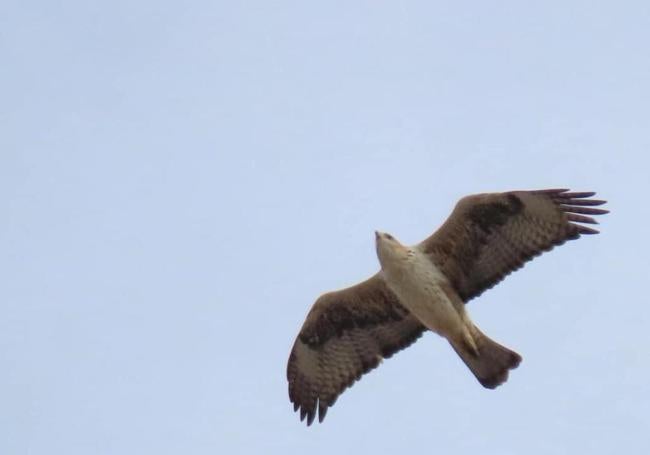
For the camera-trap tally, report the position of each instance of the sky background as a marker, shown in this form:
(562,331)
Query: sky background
(179,181)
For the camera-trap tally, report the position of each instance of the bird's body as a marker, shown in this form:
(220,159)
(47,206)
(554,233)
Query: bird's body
(429,296)
(422,288)
(425,287)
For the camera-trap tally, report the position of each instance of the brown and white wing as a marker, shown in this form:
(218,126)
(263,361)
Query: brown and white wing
(346,334)
(490,235)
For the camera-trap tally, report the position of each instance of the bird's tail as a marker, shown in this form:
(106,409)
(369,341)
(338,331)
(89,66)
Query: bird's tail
(490,362)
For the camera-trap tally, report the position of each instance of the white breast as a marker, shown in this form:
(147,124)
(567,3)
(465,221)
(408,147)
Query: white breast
(418,283)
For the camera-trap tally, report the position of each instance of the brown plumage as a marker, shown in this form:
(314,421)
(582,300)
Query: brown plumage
(487,236)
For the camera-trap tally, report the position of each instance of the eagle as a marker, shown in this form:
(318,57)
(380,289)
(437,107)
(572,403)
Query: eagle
(425,287)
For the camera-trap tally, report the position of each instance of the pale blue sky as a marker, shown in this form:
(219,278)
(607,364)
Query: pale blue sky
(179,181)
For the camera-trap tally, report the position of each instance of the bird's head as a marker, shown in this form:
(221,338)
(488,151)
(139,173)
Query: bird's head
(388,248)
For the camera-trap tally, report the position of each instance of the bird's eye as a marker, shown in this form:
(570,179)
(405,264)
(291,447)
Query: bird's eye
(389,237)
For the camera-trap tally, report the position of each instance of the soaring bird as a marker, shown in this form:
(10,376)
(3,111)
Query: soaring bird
(425,287)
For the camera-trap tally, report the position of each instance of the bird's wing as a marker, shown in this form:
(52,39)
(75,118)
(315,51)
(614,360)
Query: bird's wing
(490,235)
(346,334)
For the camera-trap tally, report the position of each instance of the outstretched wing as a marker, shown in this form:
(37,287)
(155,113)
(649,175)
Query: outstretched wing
(488,236)
(346,334)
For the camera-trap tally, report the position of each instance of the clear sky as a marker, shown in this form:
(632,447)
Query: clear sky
(179,181)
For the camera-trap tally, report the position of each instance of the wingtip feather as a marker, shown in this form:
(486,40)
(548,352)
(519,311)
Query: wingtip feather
(552,190)
(579,194)
(581,219)
(576,205)
(586,230)
(322,411)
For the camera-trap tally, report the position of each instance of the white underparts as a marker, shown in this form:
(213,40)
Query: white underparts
(420,287)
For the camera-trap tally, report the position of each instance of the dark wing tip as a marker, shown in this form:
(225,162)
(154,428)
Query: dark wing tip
(552,191)
(322,410)
(579,201)
(581,219)
(308,411)
(585,230)
(579,194)
(577,205)
(584,210)
(310,417)
(303,414)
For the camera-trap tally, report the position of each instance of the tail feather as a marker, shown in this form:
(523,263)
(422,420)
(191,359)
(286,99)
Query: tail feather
(489,362)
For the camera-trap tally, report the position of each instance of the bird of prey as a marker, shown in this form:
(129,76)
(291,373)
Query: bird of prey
(424,287)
